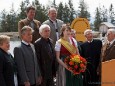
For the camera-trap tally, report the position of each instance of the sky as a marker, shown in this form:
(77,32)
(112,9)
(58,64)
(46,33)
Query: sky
(92,4)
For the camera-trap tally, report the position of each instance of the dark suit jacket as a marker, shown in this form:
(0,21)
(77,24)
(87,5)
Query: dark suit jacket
(6,69)
(109,53)
(37,24)
(45,57)
(91,51)
(27,66)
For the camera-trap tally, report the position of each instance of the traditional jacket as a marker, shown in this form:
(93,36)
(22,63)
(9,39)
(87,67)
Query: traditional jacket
(35,27)
(109,52)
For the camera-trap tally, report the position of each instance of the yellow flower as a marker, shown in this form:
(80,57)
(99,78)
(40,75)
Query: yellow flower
(76,59)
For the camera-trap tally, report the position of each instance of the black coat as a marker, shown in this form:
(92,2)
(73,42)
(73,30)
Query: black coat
(46,57)
(91,51)
(6,69)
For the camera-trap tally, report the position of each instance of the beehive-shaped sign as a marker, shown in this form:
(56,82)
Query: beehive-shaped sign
(80,25)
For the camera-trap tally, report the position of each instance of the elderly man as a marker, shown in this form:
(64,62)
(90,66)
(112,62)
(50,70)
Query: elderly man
(30,21)
(25,57)
(109,47)
(91,50)
(46,55)
(55,24)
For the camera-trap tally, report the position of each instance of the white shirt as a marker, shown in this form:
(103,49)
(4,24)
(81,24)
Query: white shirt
(58,44)
(111,42)
(25,42)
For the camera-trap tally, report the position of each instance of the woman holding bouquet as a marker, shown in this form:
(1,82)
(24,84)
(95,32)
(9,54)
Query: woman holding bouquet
(65,47)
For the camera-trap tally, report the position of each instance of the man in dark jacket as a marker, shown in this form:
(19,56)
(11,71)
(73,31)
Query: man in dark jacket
(28,71)
(46,55)
(91,50)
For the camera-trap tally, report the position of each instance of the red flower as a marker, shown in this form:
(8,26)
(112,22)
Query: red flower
(75,66)
(82,65)
(71,63)
(82,59)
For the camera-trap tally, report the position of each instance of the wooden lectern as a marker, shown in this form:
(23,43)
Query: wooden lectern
(108,73)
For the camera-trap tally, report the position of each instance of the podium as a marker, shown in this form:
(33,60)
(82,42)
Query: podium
(108,73)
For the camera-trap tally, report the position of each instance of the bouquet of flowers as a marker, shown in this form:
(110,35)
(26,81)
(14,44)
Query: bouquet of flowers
(76,63)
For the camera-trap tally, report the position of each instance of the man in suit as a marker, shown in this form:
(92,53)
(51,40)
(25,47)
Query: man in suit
(55,24)
(109,47)
(28,71)
(30,21)
(91,50)
(46,55)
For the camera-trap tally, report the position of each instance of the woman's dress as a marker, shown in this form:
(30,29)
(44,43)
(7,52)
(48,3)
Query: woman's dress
(65,77)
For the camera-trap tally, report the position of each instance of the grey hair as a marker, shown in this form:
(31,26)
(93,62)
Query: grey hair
(87,31)
(111,30)
(42,27)
(52,8)
(4,38)
(26,28)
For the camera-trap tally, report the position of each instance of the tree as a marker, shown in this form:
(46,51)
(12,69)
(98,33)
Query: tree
(98,19)
(13,22)
(41,13)
(60,11)
(72,13)
(54,4)
(83,12)
(3,21)
(23,6)
(9,21)
(66,12)
(111,14)
(104,14)
(22,14)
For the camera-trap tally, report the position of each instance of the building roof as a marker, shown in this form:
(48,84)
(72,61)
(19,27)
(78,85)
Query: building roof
(108,24)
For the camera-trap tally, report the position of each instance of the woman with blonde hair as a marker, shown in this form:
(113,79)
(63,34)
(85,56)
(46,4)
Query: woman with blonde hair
(6,62)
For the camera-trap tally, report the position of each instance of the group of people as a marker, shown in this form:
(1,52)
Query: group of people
(40,56)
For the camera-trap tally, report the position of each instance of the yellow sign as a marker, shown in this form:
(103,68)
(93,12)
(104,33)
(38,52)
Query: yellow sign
(80,25)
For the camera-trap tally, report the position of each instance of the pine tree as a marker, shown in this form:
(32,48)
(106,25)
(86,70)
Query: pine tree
(83,12)
(98,19)
(112,14)
(104,14)
(13,20)
(72,13)
(60,11)
(3,21)
(41,13)
(66,14)
(22,13)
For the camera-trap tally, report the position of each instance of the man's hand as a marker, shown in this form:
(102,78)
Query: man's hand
(39,80)
(27,83)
